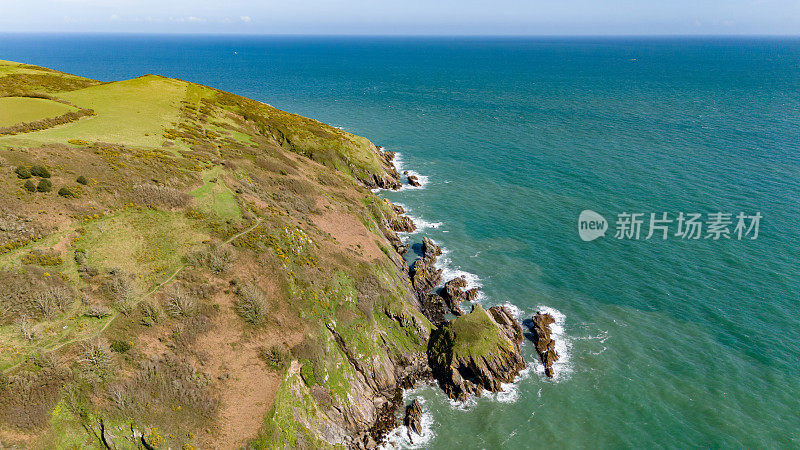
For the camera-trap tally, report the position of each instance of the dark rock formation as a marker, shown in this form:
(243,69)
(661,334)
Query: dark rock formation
(473,352)
(545,345)
(430,249)
(454,293)
(433,308)
(395,240)
(425,275)
(413,418)
(389,178)
(507,322)
(401,223)
(397,208)
(414,181)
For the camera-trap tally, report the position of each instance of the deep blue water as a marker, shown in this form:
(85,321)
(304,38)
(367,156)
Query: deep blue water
(669,343)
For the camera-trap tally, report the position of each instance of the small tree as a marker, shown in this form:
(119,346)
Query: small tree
(30,186)
(40,171)
(44,185)
(23,172)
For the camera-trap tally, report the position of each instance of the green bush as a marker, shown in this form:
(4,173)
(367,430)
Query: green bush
(276,357)
(44,185)
(66,192)
(23,172)
(40,171)
(30,186)
(82,180)
(120,346)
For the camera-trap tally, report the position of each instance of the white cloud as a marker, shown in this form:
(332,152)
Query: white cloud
(246,19)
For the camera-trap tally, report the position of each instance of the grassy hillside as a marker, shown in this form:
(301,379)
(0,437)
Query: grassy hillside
(188,268)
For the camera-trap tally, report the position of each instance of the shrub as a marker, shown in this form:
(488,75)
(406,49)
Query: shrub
(276,356)
(120,346)
(98,311)
(82,180)
(42,259)
(53,300)
(25,328)
(23,172)
(30,186)
(251,304)
(40,171)
(150,313)
(217,258)
(121,289)
(95,355)
(66,192)
(179,303)
(44,185)
(79,142)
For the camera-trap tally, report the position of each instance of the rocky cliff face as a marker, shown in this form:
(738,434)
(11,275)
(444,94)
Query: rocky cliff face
(474,352)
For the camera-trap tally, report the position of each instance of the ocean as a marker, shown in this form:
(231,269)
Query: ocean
(664,342)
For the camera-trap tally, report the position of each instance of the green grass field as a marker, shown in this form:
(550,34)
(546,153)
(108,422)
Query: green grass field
(214,196)
(14,110)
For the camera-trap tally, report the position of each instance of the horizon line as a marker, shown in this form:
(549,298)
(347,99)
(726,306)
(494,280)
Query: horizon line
(407,35)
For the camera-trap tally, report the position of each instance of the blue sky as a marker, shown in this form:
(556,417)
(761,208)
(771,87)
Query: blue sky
(431,17)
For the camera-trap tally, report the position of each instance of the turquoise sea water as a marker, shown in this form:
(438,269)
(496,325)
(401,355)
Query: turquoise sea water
(667,343)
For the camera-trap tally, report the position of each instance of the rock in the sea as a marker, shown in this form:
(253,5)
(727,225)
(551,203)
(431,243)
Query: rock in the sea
(396,208)
(413,419)
(454,293)
(507,323)
(425,275)
(545,345)
(401,223)
(430,249)
(413,180)
(473,352)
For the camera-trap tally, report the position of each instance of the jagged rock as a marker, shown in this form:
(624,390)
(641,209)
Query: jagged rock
(397,208)
(433,308)
(454,294)
(413,180)
(413,418)
(389,178)
(545,345)
(401,224)
(430,249)
(425,275)
(473,352)
(507,323)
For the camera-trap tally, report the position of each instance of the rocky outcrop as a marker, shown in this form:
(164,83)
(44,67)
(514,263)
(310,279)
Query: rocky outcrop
(473,352)
(425,275)
(413,180)
(454,293)
(401,223)
(388,178)
(433,308)
(508,324)
(430,249)
(545,345)
(413,418)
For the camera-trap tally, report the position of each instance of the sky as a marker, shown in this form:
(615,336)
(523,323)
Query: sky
(406,17)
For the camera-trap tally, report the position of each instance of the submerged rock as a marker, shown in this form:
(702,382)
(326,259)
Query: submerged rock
(474,352)
(545,345)
(413,419)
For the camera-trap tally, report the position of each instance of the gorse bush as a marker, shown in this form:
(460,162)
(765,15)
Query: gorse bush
(40,171)
(23,172)
(82,180)
(44,185)
(30,186)
(276,357)
(66,192)
(251,304)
